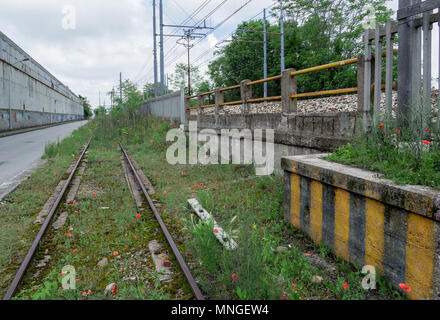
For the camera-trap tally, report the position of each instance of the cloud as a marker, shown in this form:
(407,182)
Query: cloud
(111,36)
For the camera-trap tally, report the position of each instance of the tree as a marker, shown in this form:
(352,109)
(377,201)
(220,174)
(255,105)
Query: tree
(317,32)
(87,107)
(100,111)
(180,77)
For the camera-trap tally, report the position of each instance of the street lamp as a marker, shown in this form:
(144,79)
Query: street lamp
(10,84)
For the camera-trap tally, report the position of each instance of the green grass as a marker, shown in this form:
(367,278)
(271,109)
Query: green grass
(249,208)
(402,155)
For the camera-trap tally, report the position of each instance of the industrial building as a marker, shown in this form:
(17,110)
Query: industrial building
(29,94)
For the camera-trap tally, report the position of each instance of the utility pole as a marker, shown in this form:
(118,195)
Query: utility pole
(120,86)
(162,62)
(185,40)
(265,53)
(189,62)
(156,92)
(282,36)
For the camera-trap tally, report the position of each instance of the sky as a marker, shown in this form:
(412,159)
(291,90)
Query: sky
(86,44)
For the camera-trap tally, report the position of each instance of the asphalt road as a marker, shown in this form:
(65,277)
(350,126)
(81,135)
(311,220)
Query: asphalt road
(20,154)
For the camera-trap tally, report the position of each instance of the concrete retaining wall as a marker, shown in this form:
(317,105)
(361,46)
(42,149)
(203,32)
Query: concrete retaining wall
(317,131)
(367,221)
(170,106)
(33,95)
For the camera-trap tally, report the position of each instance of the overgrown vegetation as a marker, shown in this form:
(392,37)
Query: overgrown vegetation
(272,260)
(409,155)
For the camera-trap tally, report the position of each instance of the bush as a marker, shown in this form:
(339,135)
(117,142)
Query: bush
(408,155)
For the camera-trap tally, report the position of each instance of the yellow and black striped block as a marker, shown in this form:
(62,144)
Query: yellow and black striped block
(364,230)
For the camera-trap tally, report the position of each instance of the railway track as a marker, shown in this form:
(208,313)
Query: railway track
(136,182)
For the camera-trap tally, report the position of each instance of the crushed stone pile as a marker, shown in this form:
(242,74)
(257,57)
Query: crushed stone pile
(342,103)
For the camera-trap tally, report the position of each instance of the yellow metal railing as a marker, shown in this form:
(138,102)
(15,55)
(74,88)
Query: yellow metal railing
(279,77)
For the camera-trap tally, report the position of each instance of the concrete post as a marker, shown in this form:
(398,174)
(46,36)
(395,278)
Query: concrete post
(246,93)
(219,99)
(405,64)
(361,83)
(200,102)
(288,87)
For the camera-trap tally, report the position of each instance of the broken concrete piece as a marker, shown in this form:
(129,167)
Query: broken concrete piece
(109,288)
(219,233)
(60,221)
(103,263)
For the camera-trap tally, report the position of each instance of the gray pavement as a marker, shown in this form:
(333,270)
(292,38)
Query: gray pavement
(21,154)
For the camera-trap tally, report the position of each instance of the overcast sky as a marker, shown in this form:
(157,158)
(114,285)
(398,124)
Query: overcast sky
(113,36)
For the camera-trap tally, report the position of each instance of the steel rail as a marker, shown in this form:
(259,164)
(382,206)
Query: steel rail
(27,260)
(191,281)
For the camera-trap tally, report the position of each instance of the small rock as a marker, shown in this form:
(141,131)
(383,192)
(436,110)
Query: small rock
(103,263)
(109,288)
(317,279)
(133,279)
(154,246)
(282,249)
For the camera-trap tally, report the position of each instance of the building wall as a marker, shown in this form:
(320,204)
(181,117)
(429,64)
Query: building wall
(34,96)
(170,106)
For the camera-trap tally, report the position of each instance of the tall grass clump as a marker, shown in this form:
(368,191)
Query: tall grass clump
(406,155)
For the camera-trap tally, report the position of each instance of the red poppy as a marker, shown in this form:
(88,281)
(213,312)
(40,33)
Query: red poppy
(381,126)
(308,254)
(94,193)
(234,276)
(216,230)
(74,203)
(283,298)
(75,250)
(426,142)
(294,287)
(138,216)
(69,235)
(397,131)
(164,192)
(405,287)
(345,285)
(113,289)
(115,253)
